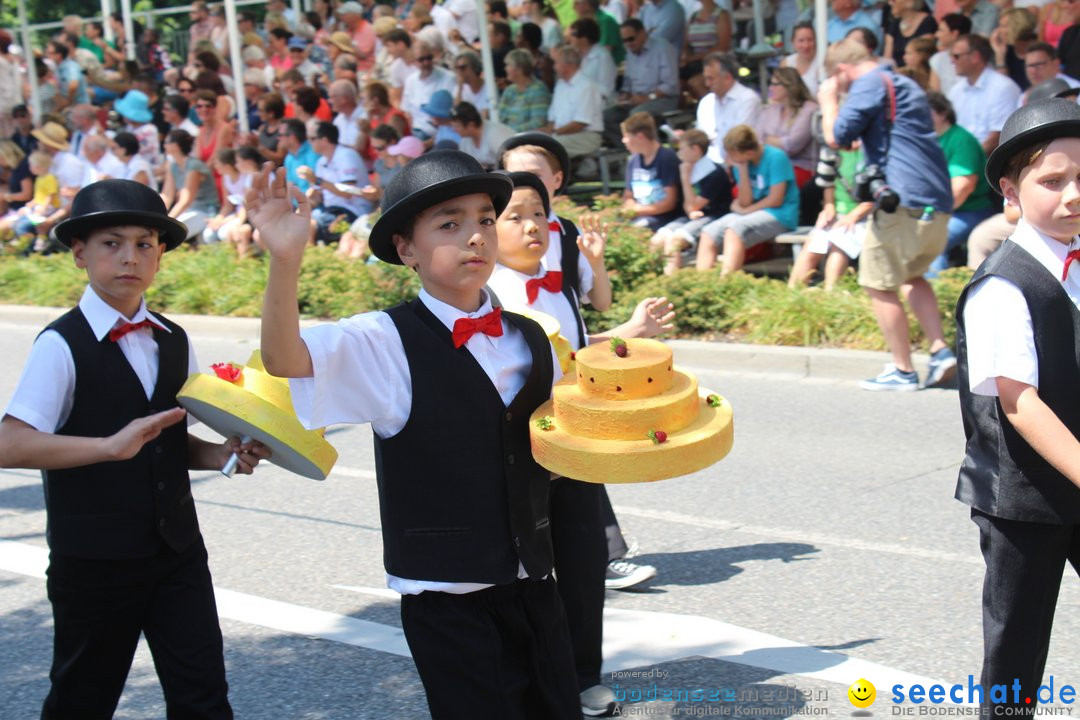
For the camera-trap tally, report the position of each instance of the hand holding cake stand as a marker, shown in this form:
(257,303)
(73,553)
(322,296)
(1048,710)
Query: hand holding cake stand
(247,402)
(626,413)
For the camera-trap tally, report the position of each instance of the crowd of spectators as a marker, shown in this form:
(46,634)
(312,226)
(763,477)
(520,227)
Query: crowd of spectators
(344,95)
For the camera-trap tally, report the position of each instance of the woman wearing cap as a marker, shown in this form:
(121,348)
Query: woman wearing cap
(134,107)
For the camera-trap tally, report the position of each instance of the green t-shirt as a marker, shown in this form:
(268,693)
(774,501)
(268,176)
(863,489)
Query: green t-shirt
(848,165)
(964,156)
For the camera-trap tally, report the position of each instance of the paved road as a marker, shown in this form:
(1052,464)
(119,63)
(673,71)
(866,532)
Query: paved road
(825,548)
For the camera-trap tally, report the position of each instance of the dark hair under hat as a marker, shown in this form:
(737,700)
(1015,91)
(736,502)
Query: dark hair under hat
(110,203)
(529,180)
(543,140)
(432,178)
(1032,124)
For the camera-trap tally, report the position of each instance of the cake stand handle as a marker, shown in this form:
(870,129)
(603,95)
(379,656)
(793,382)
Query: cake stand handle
(230,467)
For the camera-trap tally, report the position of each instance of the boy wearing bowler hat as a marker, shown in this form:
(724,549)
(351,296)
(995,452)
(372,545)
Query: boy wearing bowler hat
(448,384)
(1019,372)
(96,411)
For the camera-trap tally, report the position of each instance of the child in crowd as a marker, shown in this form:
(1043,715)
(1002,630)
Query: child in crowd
(465,523)
(706,191)
(652,174)
(840,228)
(1018,335)
(767,202)
(96,411)
(235,183)
(45,202)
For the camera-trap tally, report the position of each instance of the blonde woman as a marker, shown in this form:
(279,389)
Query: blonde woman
(15,177)
(1015,31)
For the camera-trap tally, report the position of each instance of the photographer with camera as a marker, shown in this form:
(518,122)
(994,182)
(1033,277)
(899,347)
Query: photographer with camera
(908,181)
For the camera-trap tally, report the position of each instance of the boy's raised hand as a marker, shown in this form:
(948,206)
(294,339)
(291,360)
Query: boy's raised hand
(284,231)
(127,443)
(593,239)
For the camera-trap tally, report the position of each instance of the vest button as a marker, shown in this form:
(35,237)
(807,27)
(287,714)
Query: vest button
(158,449)
(517,542)
(509,417)
(510,459)
(161,486)
(161,522)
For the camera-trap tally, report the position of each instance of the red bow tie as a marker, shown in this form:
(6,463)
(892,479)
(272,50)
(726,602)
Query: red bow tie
(554,227)
(465,328)
(1074,255)
(119,332)
(552,282)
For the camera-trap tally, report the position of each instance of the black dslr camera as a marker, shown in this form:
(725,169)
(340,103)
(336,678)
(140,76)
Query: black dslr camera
(871,186)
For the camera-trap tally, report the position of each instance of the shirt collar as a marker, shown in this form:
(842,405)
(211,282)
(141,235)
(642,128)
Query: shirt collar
(1049,252)
(104,317)
(701,168)
(448,314)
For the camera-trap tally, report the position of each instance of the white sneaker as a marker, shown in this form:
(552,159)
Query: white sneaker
(598,701)
(623,574)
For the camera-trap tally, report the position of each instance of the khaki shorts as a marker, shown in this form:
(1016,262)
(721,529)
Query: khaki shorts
(899,247)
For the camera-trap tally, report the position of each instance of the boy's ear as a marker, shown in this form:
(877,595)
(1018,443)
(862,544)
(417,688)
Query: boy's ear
(78,247)
(558,177)
(404,249)
(1010,191)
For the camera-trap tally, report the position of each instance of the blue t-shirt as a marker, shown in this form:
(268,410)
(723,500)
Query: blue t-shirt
(914,166)
(68,70)
(306,155)
(775,167)
(647,182)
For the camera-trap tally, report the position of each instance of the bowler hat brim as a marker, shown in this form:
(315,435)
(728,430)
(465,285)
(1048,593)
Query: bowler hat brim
(545,141)
(395,219)
(172,232)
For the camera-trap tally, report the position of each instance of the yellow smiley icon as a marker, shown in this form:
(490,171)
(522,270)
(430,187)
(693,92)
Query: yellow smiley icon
(862,693)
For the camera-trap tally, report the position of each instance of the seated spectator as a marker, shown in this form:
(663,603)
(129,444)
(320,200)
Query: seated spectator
(653,190)
(1054,19)
(398,46)
(470,82)
(376,98)
(345,102)
(525,100)
(729,103)
(1016,30)
(298,152)
(708,31)
(981,97)
(479,137)
(1069,46)
(917,56)
(306,102)
(1041,64)
(280,59)
(236,178)
(538,13)
(298,54)
(254,88)
(70,78)
(267,138)
(971,193)
(840,227)
(804,59)
(909,21)
(502,42)
(188,191)
(982,16)
(125,147)
(575,116)
(942,72)
(15,177)
(134,108)
(665,19)
(336,181)
(421,86)
(785,122)
(650,79)
(845,15)
(529,38)
(706,192)
(438,109)
(596,61)
(29,218)
(767,203)
(24,126)
(103,164)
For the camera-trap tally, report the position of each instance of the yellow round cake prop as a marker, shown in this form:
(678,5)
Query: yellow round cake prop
(630,417)
(552,328)
(248,401)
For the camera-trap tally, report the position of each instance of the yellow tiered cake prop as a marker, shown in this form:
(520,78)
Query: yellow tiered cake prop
(551,327)
(248,401)
(630,415)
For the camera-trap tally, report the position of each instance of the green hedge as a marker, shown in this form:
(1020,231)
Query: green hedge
(212,281)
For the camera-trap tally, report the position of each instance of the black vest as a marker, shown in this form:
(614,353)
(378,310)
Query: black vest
(122,509)
(460,496)
(571,281)
(1001,474)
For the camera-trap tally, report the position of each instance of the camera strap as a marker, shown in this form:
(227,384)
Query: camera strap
(890,95)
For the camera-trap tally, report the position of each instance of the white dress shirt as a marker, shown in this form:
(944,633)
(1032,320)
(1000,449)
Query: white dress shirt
(361,375)
(46,390)
(715,117)
(509,286)
(598,66)
(418,90)
(349,126)
(982,108)
(578,99)
(1000,338)
(344,166)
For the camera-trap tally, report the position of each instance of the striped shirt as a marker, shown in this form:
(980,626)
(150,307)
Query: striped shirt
(524,110)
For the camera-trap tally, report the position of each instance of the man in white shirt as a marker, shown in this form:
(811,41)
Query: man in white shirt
(103,164)
(479,137)
(421,85)
(339,170)
(1041,63)
(575,116)
(949,30)
(344,100)
(84,123)
(982,97)
(596,60)
(729,103)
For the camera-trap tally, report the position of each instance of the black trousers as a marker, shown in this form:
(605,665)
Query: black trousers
(99,609)
(1024,565)
(580,542)
(503,652)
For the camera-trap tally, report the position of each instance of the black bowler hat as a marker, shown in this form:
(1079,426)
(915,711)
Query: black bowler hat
(109,203)
(1036,122)
(428,180)
(545,141)
(529,180)
(1054,87)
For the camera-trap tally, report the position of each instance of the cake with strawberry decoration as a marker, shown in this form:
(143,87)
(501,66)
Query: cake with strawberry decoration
(628,414)
(246,401)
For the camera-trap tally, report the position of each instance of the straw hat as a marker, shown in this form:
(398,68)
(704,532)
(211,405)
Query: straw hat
(53,135)
(342,42)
